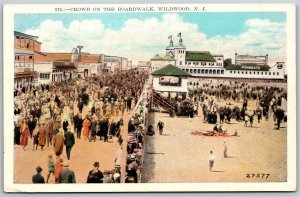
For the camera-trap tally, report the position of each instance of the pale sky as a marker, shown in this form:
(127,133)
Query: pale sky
(139,36)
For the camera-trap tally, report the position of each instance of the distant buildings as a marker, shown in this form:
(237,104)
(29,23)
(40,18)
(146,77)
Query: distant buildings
(25,45)
(144,66)
(33,67)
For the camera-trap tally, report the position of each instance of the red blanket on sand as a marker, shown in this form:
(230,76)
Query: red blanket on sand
(210,133)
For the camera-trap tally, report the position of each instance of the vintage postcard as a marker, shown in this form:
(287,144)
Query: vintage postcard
(162,97)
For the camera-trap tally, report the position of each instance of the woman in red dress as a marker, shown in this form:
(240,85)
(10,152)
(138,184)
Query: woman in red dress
(86,128)
(25,133)
(42,135)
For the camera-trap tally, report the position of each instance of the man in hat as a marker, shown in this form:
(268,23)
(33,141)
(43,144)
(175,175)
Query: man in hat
(67,175)
(69,141)
(95,175)
(38,178)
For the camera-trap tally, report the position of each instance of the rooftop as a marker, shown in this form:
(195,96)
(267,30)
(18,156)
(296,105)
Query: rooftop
(170,70)
(199,56)
(16,33)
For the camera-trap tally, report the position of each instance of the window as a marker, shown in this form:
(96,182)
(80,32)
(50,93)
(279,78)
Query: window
(195,70)
(180,63)
(238,72)
(210,71)
(206,71)
(222,71)
(30,57)
(246,73)
(202,71)
(242,72)
(277,73)
(269,73)
(250,73)
(273,73)
(214,71)
(27,46)
(189,63)
(218,72)
(198,71)
(44,76)
(230,72)
(258,73)
(191,70)
(234,72)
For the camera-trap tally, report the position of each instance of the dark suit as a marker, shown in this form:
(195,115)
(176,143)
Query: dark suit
(69,142)
(79,127)
(67,176)
(65,125)
(31,125)
(38,178)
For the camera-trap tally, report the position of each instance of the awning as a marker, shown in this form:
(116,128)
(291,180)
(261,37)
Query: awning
(24,75)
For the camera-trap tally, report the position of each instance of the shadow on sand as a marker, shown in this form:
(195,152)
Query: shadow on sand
(149,153)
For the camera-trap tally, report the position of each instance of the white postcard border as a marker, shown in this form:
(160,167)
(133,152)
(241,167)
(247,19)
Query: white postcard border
(9,186)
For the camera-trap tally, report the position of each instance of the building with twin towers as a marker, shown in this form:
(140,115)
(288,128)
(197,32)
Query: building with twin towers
(205,64)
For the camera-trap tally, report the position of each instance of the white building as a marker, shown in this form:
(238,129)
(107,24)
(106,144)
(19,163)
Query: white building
(144,65)
(170,79)
(246,59)
(204,64)
(88,64)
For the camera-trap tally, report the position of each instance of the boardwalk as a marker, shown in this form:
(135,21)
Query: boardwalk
(179,156)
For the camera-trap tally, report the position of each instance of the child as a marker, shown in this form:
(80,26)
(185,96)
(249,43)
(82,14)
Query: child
(51,167)
(36,139)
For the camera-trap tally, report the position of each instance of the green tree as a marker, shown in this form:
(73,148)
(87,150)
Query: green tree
(227,62)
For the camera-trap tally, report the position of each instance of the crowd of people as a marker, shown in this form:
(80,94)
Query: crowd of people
(206,96)
(90,109)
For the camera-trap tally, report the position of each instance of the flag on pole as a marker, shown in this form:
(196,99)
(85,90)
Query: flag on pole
(170,37)
(179,35)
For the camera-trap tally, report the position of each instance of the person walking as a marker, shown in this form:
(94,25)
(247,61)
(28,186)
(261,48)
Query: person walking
(65,125)
(160,126)
(211,160)
(38,178)
(25,133)
(51,166)
(67,175)
(59,142)
(69,142)
(31,125)
(79,126)
(42,136)
(86,128)
(95,175)
(225,149)
(58,169)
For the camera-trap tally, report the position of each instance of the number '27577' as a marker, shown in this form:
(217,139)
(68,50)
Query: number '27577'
(257,175)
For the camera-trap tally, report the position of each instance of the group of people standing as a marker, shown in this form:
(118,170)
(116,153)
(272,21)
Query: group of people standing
(46,115)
